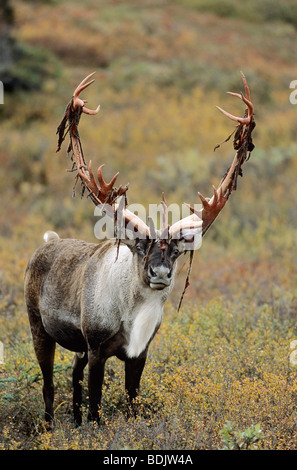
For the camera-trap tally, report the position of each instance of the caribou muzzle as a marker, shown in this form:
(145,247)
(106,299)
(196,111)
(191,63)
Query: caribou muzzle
(159,277)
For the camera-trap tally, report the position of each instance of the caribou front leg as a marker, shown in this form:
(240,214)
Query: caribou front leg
(133,372)
(79,363)
(96,365)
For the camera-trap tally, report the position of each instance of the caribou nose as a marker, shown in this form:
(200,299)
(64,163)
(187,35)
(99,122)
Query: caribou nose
(160,276)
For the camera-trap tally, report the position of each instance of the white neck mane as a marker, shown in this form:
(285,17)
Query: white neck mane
(122,292)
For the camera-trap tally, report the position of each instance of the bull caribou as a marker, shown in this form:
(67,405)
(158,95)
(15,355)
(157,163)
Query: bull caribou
(106,299)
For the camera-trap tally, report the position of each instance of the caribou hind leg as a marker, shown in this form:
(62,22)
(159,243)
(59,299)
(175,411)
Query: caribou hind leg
(44,347)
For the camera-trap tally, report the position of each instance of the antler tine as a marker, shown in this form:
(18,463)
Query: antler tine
(246,99)
(240,120)
(78,102)
(165,213)
(193,221)
(152,230)
(107,186)
(103,191)
(246,87)
(83,84)
(90,181)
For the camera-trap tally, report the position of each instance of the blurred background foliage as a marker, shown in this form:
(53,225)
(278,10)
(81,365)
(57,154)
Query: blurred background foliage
(161,67)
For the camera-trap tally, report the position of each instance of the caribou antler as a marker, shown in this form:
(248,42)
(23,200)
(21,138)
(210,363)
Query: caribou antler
(244,146)
(105,194)
(101,193)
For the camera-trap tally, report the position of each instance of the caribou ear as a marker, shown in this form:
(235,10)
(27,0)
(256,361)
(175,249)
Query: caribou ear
(129,242)
(130,236)
(134,242)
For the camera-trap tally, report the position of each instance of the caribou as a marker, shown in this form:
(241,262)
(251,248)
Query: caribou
(107,299)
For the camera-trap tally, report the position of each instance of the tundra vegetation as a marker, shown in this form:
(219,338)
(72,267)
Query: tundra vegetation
(220,372)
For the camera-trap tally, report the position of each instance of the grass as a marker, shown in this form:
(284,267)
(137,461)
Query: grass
(223,360)
(219,373)
(220,363)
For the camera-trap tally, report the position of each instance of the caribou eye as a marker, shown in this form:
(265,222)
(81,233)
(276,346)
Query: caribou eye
(175,252)
(140,250)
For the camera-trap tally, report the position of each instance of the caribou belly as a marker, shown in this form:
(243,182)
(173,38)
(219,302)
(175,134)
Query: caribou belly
(65,331)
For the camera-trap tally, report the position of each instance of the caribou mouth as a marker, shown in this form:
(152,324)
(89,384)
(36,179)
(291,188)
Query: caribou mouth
(159,285)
